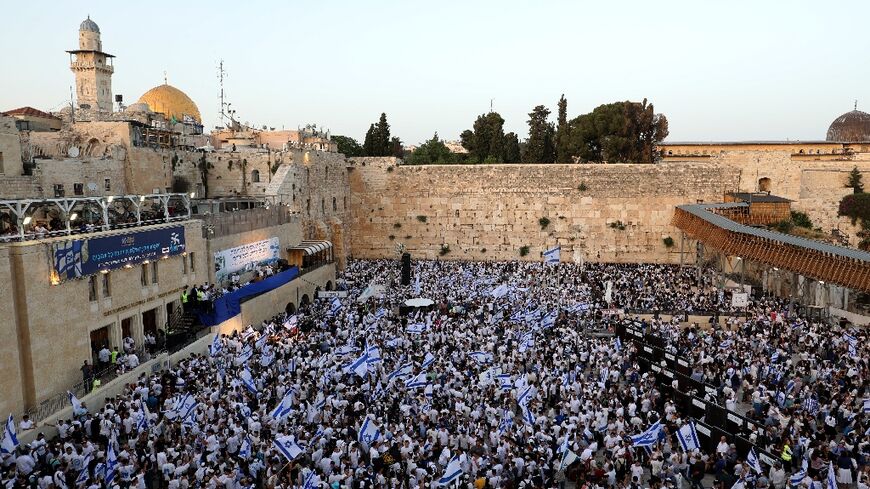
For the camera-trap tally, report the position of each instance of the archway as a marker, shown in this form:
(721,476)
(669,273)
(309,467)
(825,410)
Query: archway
(290,309)
(764,184)
(304,301)
(329,285)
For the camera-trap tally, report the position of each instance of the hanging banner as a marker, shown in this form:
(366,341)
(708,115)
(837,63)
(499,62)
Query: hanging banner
(245,257)
(739,299)
(82,257)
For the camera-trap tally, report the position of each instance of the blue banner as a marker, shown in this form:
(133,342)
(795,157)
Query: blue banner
(81,257)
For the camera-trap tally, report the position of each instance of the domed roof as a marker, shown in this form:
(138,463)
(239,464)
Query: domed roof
(850,127)
(171,102)
(89,25)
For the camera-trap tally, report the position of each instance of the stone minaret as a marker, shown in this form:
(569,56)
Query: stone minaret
(93,70)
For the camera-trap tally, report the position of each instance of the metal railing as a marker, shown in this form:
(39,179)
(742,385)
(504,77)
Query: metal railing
(224,224)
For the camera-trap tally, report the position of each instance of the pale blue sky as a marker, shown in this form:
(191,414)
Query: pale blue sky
(723,70)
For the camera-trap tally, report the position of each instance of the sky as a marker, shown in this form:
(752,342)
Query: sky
(719,70)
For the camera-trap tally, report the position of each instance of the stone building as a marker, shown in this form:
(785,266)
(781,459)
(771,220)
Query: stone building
(93,70)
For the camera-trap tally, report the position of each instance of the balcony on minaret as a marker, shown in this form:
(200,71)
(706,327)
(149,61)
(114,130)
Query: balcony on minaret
(91,60)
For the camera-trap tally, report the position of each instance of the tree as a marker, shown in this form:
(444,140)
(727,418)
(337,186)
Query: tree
(382,130)
(539,146)
(563,154)
(855,182)
(397,149)
(370,142)
(348,146)
(511,148)
(486,140)
(432,152)
(620,132)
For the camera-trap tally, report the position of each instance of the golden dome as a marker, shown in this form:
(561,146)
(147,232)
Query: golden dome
(171,102)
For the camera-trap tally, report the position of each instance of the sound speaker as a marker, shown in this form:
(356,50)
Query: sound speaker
(406,269)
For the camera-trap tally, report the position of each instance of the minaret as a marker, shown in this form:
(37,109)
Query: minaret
(93,70)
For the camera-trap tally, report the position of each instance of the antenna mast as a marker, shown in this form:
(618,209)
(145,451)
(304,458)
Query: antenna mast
(221,74)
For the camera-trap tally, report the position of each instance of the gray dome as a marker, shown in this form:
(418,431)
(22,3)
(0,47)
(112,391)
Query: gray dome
(850,127)
(89,25)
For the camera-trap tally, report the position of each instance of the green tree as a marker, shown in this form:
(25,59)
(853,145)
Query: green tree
(511,148)
(382,131)
(397,149)
(432,152)
(370,142)
(348,146)
(539,146)
(563,154)
(855,182)
(620,132)
(486,140)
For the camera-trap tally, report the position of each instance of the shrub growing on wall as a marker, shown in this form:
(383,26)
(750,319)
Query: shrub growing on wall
(421,218)
(524,250)
(668,241)
(544,222)
(444,250)
(856,207)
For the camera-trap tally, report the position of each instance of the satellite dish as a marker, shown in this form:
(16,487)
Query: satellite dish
(92,186)
(73,152)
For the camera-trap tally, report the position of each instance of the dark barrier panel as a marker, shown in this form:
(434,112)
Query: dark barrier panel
(717,416)
(229,305)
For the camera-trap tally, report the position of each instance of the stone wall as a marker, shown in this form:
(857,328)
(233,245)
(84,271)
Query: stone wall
(10,148)
(97,177)
(614,213)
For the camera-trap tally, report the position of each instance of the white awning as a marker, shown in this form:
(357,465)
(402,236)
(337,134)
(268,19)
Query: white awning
(311,247)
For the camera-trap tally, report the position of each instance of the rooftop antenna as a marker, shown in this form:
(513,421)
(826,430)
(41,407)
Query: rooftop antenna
(221,74)
(165,78)
(856,104)
(490,104)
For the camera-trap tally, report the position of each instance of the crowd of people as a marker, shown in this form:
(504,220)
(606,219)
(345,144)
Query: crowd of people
(511,379)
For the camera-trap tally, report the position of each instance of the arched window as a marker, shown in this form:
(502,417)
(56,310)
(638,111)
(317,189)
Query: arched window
(334,205)
(764,184)
(255,176)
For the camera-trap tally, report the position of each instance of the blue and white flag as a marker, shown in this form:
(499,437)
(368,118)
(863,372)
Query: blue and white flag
(335,306)
(526,395)
(10,440)
(374,354)
(261,342)
(403,370)
(216,346)
(244,356)
(111,463)
(775,357)
(245,449)
(618,344)
(76,404)
(480,357)
(428,360)
(68,258)
(288,447)
(866,407)
(790,386)
(368,432)
(504,381)
(506,422)
(419,380)
(549,320)
(285,406)
(143,418)
(453,471)
(552,256)
(83,474)
(312,481)
(797,478)
(528,416)
(417,283)
(247,380)
(500,291)
(527,342)
(688,437)
(649,437)
(346,350)
(752,460)
(568,458)
(360,366)
(267,357)
(417,328)
(832,477)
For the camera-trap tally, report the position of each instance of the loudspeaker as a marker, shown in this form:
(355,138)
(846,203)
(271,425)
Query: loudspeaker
(406,269)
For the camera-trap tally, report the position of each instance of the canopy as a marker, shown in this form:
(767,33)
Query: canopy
(419,302)
(311,247)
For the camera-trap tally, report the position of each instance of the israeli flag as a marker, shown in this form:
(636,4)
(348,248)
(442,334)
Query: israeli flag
(244,356)
(417,328)
(649,437)
(261,342)
(752,460)
(288,447)
(346,350)
(83,474)
(216,346)
(248,332)
(480,357)
(527,342)
(68,258)
(267,357)
(285,406)
(551,256)
(428,360)
(143,423)
(374,354)
(418,381)
(549,320)
(403,371)
(618,344)
(832,477)
(368,432)
(335,306)
(528,417)
(568,458)
(775,357)
(453,471)
(10,440)
(291,322)
(688,437)
(360,366)
(588,435)
(506,422)
(76,404)
(500,291)
(797,478)
(866,407)
(526,396)
(312,481)
(505,382)
(245,449)
(790,386)
(248,380)
(111,463)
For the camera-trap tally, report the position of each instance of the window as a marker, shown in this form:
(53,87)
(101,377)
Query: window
(344,205)
(323,206)
(58,190)
(143,275)
(192,262)
(184,265)
(764,184)
(107,183)
(92,288)
(78,189)
(107,285)
(255,176)
(334,205)
(154,272)
(308,206)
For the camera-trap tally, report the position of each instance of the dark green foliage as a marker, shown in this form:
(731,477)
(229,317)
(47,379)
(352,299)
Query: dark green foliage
(348,146)
(444,250)
(544,222)
(378,141)
(563,153)
(524,250)
(483,250)
(582,187)
(486,141)
(668,241)
(620,132)
(855,206)
(432,152)
(421,218)
(801,219)
(855,182)
(397,149)
(784,227)
(391,237)
(540,147)
(511,148)
(618,225)
(397,225)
